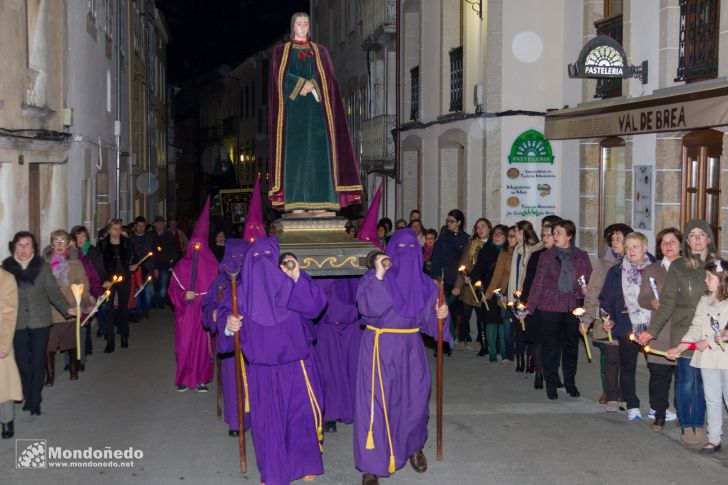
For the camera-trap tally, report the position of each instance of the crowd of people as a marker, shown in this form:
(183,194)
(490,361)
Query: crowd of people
(126,271)
(313,348)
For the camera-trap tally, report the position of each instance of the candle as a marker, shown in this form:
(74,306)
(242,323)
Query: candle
(461,269)
(653,285)
(579,313)
(605,316)
(519,311)
(141,288)
(195,255)
(650,350)
(479,286)
(148,255)
(517,296)
(96,307)
(77,290)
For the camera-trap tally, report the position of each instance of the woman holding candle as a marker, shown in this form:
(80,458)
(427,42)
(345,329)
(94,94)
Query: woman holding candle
(481,233)
(67,270)
(661,369)
(499,281)
(534,334)
(684,286)
(427,249)
(614,235)
(552,298)
(10,387)
(712,358)
(483,271)
(619,297)
(445,258)
(37,291)
(118,259)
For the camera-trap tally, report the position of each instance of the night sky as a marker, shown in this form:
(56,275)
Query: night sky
(208,33)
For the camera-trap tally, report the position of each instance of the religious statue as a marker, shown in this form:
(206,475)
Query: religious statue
(312,162)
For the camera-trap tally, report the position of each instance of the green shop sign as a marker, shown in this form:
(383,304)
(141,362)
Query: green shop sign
(530,147)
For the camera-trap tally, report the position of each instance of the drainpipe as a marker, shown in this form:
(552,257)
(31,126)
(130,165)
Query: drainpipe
(117,122)
(397,83)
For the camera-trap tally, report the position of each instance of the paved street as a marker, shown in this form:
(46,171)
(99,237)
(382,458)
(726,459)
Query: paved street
(498,430)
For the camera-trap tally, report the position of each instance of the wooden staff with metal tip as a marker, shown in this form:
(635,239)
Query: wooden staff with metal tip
(440,323)
(239,375)
(218,367)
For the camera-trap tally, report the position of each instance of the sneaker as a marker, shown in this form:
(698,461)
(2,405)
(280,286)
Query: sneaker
(669,415)
(634,414)
(181,388)
(612,406)
(469,346)
(505,363)
(201,388)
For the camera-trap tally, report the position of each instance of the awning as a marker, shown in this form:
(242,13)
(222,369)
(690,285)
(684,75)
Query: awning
(674,109)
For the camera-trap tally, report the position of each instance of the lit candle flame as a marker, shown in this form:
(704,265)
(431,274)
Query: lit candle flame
(197,246)
(478,284)
(462,268)
(159,248)
(578,312)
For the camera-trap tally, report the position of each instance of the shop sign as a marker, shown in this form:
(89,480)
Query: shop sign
(604,58)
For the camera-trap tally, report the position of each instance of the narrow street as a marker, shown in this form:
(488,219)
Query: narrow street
(497,429)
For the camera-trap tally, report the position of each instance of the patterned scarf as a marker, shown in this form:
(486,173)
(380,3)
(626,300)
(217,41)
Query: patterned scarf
(631,281)
(59,267)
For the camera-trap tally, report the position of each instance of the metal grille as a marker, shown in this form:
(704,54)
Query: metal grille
(698,50)
(415,93)
(612,27)
(456,79)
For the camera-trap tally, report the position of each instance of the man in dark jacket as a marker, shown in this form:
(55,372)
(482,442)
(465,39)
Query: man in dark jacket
(141,245)
(165,255)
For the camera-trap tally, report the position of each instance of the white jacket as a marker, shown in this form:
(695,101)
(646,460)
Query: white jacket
(700,329)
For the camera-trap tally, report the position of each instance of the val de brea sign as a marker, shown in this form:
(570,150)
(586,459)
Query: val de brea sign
(604,58)
(529,178)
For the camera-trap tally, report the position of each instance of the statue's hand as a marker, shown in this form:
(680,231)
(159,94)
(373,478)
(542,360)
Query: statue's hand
(307,88)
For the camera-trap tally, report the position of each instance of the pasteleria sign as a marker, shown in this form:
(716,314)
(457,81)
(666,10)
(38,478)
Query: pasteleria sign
(603,58)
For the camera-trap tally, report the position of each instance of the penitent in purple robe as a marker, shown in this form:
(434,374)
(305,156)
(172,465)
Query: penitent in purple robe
(192,347)
(338,336)
(405,299)
(235,250)
(285,388)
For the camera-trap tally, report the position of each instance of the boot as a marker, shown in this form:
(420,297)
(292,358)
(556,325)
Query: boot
(700,435)
(530,366)
(481,338)
(369,479)
(520,364)
(688,436)
(73,364)
(50,361)
(110,344)
(8,430)
(538,381)
(124,342)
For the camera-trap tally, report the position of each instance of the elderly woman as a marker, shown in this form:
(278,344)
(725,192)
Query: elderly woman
(684,286)
(10,388)
(68,270)
(554,294)
(37,290)
(661,369)
(620,299)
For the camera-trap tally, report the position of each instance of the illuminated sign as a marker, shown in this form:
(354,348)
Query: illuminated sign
(604,58)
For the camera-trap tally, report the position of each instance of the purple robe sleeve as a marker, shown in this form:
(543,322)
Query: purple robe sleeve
(209,305)
(306,298)
(225,343)
(427,320)
(372,297)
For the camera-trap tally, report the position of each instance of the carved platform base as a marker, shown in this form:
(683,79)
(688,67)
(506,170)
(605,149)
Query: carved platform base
(321,244)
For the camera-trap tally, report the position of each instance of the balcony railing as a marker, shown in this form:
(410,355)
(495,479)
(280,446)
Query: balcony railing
(377,141)
(415,93)
(612,27)
(378,16)
(698,50)
(456,79)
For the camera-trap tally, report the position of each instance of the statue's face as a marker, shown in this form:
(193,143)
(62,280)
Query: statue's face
(300,28)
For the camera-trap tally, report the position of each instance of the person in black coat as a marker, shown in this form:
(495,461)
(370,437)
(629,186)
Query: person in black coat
(118,258)
(446,258)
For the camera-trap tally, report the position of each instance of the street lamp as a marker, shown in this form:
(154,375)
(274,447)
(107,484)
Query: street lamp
(226,72)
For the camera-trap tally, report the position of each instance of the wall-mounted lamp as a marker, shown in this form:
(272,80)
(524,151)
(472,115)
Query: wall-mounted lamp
(477,6)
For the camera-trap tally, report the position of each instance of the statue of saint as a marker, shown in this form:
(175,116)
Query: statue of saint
(312,162)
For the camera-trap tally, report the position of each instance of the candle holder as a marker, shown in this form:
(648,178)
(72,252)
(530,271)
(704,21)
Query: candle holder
(518,310)
(77,290)
(653,285)
(605,316)
(579,313)
(467,280)
(715,325)
(646,348)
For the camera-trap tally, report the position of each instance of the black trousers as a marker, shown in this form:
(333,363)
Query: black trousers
(661,376)
(30,347)
(465,320)
(120,314)
(628,353)
(561,340)
(456,310)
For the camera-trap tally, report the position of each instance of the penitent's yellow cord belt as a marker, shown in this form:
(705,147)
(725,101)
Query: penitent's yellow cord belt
(315,408)
(378,368)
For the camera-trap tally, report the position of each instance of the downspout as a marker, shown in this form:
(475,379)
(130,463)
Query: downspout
(117,122)
(397,114)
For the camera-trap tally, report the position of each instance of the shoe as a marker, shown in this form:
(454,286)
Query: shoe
(82,367)
(493,359)
(330,427)
(369,479)
(460,347)
(612,406)
(418,462)
(182,388)
(700,434)
(50,361)
(669,415)
(35,412)
(73,364)
(688,436)
(483,351)
(234,433)
(552,394)
(520,363)
(201,388)
(538,382)
(26,406)
(99,333)
(109,347)
(133,318)
(124,342)
(505,363)
(573,391)
(560,385)
(469,345)
(9,430)
(658,425)
(634,415)
(709,448)
(530,366)
(603,399)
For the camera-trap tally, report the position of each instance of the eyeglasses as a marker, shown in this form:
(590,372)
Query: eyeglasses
(450,220)
(58,242)
(497,233)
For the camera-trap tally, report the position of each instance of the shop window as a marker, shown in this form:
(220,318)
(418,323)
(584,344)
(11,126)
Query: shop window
(700,194)
(698,48)
(612,181)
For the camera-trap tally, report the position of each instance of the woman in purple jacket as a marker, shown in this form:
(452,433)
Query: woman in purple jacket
(564,263)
